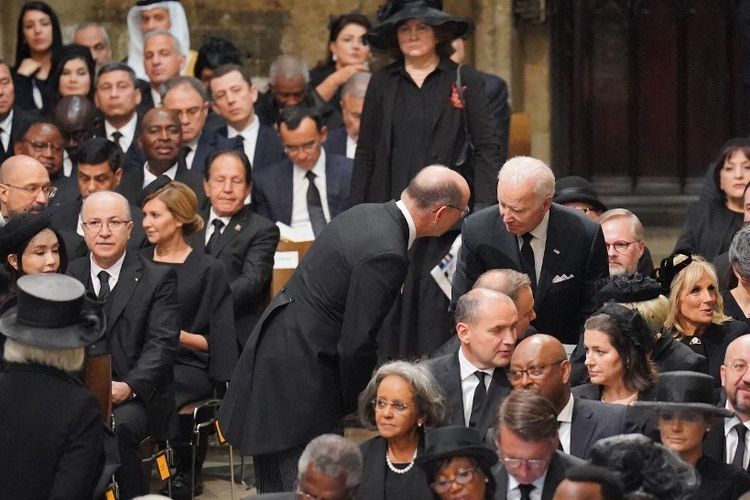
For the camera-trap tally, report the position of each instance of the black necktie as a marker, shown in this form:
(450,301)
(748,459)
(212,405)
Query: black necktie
(476,404)
(314,207)
(103,286)
(526,490)
(739,455)
(217,224)
(2,147)
(527,259)
(116,136)
(184,152)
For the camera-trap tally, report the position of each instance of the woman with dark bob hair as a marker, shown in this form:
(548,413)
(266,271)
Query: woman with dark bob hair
(618,341)
(74,74)
(457,464)
(401,400)
(712,221)
(38,44)
(208,345)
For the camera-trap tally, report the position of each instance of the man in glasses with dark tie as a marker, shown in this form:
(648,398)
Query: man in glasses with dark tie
(24,187)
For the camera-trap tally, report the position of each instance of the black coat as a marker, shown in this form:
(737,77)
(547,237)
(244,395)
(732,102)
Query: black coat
(374,474)
(497,100)
(246,248)
(142,333)
(719,481)
(555,474)
(637,418)
(670,355)
(131,185)
(23,86)
(592,421)
(575,246)
(372,178)
(313,349)
(709,228)
(51,434)
(336,141)
(732,308)
(21,119)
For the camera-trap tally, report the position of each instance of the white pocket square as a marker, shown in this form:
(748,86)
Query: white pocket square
(561,278)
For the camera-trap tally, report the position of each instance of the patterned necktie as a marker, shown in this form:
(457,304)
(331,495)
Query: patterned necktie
(314,206)
(103,286)
(527,260)
(217,224)
(476,404)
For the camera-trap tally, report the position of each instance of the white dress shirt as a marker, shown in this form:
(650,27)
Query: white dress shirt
(730,439)
(537,243)
(127,131)
(565,422)
(156,97)
(148,177)
(210,226)
(6,125)
(409,223)
(67,164)
(300,217)
(114,273)
(249,136)
(193,145)
(351,147)
(514,493)
(470,382)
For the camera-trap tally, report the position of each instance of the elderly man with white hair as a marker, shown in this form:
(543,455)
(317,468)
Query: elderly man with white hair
(560,249)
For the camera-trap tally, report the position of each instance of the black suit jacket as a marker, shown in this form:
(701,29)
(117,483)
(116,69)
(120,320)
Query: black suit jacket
(336,141)
(447,372)
(133,157)
(555,474)
(131,185)
(592,421)
(714,444)
(313,349)
(273,188)
(268,150)
(142,333)
(147,100)
(575,246)
(246,248)
(21,120)
(374,473)
(497,101)
(208,142)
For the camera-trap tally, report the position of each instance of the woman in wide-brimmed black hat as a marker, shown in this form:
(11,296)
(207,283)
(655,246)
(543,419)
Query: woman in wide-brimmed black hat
(416,113)
(457,464)
(684,402)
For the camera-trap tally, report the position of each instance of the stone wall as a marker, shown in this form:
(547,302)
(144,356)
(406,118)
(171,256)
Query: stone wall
(265,28)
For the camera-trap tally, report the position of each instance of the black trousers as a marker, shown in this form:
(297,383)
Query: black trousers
(191,384)
(131,426)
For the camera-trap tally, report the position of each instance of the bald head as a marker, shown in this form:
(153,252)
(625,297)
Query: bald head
(75,116)
(735,376)
(106,223)
(436,198)
(541,365)
(24,186)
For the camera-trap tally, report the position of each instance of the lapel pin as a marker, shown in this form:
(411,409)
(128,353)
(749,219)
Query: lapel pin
(557,252)
(136,279)
(237,227)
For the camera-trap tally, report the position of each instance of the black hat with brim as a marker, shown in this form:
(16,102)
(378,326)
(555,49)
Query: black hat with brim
(577,189)
(685,390)
(383,35)
(19,229)
(52,312)
(455,441)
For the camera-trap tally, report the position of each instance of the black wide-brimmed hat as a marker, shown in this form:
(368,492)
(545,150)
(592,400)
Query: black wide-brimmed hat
(574,188)
(455,441)
(20,229)
(684,390)
(52,312)
(430,12)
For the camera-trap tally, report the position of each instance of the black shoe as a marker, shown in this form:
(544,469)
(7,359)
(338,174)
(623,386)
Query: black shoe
(181,487)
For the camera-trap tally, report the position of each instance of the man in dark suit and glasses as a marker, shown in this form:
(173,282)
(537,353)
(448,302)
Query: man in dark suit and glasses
(243,240)
(561,250)
(140,300)
(473,377)
(314,347)
(530,465)
(728,440)
(539,363)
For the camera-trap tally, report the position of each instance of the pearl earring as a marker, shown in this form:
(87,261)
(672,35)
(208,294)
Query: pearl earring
(334,58)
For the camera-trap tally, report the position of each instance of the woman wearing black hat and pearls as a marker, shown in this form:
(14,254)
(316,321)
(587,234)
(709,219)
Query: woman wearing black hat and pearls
(401,400)
(684,402)
(50,426)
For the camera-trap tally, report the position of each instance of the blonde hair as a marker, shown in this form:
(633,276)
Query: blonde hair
(654,311)
(69,360)
(685,280)
(182,203)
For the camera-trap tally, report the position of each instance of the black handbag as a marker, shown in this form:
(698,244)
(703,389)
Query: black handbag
(465,161)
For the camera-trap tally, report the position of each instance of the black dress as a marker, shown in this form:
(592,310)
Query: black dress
(380,483)
(719,481)
(24,87)
(709,228)
(732,308)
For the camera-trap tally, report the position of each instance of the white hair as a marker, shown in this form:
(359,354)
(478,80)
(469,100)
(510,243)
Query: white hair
(290,66)
(69,360)
(519,169)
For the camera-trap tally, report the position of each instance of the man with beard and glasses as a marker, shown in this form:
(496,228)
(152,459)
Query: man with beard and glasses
(24,187)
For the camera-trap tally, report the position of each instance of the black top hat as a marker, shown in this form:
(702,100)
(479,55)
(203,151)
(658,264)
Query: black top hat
(427,11)
(574,188)
(19,230)
(455,441)
(51,312)
(669,268)
(627,288)
(685,390)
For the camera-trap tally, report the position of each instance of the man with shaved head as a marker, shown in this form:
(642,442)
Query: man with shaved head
(728,440)
(539,363)
(140,299)
(473,377)
(24,187)
(76,118)
(313,349)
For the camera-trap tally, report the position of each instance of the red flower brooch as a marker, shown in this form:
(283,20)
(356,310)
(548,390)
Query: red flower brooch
(457,96)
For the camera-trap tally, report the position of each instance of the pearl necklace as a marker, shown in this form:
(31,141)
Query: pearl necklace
(400,471)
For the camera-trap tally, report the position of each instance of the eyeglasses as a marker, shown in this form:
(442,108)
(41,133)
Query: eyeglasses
(534,371)
(737,366)
(308,147)
(381,404)
(531,463)
(464,211)
(33,191)
(40,147)
(97,225)
(620,246)
(463,476)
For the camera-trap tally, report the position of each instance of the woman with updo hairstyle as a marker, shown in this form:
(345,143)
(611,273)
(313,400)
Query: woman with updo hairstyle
(617,341)
(696,311)
(208,345)
(74,74)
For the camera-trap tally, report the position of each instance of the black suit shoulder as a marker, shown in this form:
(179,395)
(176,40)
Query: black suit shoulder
(336,141)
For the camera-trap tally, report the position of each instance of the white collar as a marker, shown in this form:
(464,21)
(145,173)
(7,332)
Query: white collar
(540,231)
(7,124)
(409,222)
(467,369)
(730,422)
(113,270)
(127,130)
(319,169)
(212,215)
(538,484)
(566,414)
(149,177)
(248,133)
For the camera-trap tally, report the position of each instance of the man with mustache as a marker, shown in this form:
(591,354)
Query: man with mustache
(24,187)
